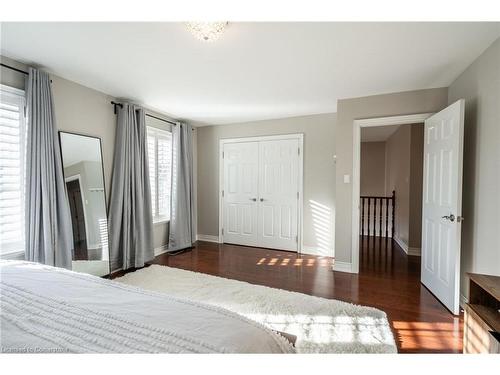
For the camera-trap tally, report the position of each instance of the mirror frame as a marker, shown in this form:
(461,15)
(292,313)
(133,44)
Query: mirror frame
(60,132)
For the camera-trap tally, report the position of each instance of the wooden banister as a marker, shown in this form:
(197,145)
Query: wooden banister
(379,210)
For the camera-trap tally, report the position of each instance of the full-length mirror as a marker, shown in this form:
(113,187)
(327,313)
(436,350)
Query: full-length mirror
(83,174)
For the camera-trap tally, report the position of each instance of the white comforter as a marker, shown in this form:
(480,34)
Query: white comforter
(46,309)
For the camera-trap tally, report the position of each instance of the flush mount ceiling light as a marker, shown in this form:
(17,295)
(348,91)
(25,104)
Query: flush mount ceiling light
(206,31)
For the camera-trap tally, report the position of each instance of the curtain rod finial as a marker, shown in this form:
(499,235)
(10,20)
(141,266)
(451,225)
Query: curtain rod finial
(115,105)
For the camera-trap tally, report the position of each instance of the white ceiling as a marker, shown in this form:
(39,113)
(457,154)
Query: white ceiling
(378,133)
(255,71)
(77,148)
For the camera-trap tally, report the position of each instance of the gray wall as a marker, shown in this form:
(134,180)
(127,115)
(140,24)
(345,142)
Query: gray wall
(479,85)
(10,77)
(416,185)
(404,165)
(80,109)
(319,168)
(398,179)
(372,173)
(410,102)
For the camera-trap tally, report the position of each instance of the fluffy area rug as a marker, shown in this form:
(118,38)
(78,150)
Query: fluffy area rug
(321,325)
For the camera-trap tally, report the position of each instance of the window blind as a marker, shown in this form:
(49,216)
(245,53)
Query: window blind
(12,170)
(160,171)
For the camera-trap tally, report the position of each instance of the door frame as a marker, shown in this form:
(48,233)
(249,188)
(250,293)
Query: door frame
(356,168)
(78,177)
(297,136)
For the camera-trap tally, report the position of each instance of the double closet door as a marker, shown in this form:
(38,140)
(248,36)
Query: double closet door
(261,193)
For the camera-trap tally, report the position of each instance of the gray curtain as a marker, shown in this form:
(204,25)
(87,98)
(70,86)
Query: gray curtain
(130,217)
(182,226)
(49,236)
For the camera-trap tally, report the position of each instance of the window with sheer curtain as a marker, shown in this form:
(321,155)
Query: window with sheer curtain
(160,172)
(12,171)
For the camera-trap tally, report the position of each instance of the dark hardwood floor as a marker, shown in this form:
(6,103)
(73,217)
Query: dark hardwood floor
(388,280)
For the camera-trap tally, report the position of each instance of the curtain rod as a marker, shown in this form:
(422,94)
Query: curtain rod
(16,70)
(147,114)
(161,119)
(12,68)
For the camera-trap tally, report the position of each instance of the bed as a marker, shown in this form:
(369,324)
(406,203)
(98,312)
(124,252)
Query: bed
(51,310)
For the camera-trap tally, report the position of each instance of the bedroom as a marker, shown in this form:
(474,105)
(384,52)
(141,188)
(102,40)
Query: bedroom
(156,167)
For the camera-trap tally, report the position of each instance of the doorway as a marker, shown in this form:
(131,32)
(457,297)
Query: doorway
(77,211)
(391,184)
(391,179)
(441,198)
(261,191)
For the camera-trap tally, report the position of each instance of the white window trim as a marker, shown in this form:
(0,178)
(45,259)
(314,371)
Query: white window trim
(18,94)
(161,221)
(12,90)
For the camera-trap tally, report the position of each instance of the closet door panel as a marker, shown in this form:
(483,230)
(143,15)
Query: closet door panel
(278,199)
(240,193)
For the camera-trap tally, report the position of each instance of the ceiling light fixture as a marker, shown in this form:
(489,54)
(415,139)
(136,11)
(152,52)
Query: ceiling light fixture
(206,31)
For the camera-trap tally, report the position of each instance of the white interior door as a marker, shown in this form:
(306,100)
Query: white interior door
(241,165)
(278,194)
(442,204)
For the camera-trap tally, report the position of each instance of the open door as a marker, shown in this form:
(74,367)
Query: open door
(442,204)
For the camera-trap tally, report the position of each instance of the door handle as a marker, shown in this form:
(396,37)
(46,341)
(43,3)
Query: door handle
(253,199)
(262,199)
(449,217)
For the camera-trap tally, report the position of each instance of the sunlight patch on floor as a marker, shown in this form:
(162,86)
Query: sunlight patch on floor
(300,262)
(428,335)
(322,329)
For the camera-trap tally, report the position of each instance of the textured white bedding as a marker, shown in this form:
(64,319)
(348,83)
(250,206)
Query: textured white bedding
(46,309)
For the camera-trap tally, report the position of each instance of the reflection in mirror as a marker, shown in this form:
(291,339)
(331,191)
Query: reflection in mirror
(83,174)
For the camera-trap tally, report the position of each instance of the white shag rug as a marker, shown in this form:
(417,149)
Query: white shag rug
(321,325)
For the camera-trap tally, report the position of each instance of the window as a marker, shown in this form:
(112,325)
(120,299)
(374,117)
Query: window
(160,172)
(12,170)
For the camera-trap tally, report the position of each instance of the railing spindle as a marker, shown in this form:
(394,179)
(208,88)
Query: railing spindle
(380,220)
(368,219)
(362,216)
(393,211)
(386,217)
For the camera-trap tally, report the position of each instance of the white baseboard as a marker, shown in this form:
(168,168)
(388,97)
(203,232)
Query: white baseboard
(116,270)
(342,266)
(312,250)
(207,238)
(13,256)
(415,251)
(463,300)
(401,244)
(161,250)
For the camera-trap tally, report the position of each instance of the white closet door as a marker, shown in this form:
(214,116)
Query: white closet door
(240,201)
(278,194)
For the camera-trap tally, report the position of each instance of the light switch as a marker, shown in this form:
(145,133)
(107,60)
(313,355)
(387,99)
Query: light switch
(347,179)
